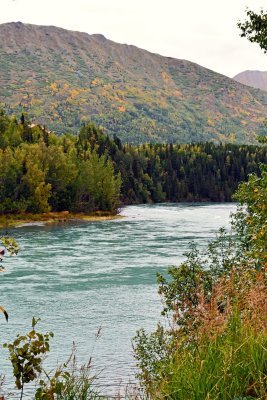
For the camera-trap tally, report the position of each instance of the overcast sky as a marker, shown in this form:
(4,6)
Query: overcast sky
(203,31)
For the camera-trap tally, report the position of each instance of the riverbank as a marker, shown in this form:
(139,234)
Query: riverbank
(16,220)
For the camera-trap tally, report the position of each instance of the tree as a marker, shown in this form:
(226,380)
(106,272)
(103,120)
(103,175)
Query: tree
(34,182)
(97,186)
(251,219)
(255,28)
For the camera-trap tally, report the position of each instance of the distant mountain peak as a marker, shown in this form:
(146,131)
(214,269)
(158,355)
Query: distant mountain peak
(256,79)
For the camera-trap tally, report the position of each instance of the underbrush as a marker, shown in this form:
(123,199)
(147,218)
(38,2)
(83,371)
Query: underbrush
(221,351)
(69,382)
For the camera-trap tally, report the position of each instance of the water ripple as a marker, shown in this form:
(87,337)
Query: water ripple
(80,276)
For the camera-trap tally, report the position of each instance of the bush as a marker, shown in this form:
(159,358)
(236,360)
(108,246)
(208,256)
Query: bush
(223,353)
(226,356)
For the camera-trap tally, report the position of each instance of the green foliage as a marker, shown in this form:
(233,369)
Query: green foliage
(97,187)
(255,28)
(180,289)
(26,355)
(180,173)
(40,171)
(251,223)
(150,352)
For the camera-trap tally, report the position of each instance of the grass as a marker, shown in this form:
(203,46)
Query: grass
(225,358)
(231,365)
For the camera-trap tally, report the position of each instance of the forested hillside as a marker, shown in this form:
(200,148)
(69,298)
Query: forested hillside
(40,171)
(64,78)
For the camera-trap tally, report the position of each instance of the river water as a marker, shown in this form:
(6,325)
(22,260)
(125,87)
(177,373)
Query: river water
(81,276)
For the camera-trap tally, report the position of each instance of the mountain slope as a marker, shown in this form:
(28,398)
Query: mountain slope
(256,79)
(63,78)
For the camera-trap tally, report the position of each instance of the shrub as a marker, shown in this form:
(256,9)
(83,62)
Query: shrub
(223,355)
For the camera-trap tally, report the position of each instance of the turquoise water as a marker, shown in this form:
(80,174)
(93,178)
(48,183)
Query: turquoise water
(81,276)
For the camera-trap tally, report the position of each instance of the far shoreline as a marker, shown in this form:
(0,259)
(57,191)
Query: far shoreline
(53,218)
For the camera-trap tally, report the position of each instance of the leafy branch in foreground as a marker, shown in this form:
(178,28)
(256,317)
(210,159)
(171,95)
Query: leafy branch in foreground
(26,355)
(255,28)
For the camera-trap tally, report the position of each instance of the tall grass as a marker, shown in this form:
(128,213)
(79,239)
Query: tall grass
(69,382)
(225,357)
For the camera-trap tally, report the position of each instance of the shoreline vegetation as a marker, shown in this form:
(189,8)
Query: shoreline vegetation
(53,218)
(41,172)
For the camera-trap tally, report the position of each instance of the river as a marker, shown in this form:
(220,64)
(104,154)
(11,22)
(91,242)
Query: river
(81,276)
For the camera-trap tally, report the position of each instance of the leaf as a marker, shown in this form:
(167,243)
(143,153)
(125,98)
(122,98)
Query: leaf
(5,313)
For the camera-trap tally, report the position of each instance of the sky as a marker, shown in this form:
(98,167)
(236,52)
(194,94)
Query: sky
(202,31)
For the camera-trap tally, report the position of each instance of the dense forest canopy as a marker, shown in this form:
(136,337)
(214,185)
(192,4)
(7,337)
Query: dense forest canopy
(40,171)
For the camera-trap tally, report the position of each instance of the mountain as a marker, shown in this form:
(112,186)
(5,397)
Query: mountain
(63,78)
(256,79)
